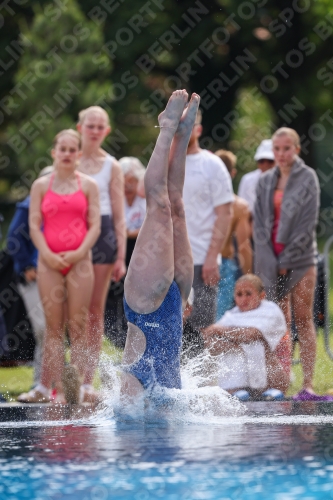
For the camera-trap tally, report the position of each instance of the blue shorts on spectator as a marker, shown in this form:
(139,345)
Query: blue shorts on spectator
(229,272)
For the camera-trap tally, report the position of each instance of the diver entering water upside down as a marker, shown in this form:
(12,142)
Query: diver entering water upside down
(160,273)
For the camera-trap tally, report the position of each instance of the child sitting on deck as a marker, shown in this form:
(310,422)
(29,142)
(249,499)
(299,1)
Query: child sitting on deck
(252,342)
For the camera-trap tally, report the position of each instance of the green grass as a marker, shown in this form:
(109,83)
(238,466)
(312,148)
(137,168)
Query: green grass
(323,379)
(14,381)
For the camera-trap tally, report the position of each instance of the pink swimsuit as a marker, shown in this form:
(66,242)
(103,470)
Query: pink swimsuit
(65,219)
(278,196)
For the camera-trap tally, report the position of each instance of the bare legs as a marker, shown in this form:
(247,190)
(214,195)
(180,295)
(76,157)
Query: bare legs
(95,329)
(183,260)
(277,377)
(301,298)
(52,290)
(79,283)
(76,288)
(162,252)
(151,270)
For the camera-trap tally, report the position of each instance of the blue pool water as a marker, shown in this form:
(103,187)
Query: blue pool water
(278,451)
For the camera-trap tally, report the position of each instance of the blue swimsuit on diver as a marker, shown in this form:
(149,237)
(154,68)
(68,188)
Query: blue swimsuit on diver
(163,328)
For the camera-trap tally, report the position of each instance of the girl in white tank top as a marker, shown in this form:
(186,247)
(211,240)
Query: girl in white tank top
(110,248)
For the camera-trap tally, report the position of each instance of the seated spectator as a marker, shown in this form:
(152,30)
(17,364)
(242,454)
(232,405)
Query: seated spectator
(265,160)
(24,254)
(247,338)
(237,249)
(135,205)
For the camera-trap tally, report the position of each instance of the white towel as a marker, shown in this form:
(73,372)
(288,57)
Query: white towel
(246,366)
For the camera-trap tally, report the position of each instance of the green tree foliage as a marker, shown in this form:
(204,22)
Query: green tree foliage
(216,47)
(280,51)
(55,80)
(254,123)
(11,50)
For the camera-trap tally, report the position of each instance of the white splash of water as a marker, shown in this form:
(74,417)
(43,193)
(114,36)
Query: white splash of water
(199,401)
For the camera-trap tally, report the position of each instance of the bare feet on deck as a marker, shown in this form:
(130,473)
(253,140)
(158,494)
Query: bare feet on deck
(169,118)
(188,117)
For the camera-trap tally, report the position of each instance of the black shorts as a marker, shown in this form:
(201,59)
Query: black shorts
(105,249)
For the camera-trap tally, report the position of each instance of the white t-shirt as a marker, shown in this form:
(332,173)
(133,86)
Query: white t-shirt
(247,187)
(247,366)
(207,185)
(135,214)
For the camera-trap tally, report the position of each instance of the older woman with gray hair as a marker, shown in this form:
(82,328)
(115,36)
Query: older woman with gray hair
(285,219)
(135,204)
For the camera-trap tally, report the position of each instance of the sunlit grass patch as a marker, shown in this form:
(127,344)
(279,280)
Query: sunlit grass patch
(14,381)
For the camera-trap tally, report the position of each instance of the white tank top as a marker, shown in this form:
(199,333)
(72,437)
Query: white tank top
(103,179)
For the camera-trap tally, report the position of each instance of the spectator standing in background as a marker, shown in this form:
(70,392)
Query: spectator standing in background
(235,261)
(108,253)
(285,219)
(265,160)
(208,198)
(24,254)
(135,205)
(64,223)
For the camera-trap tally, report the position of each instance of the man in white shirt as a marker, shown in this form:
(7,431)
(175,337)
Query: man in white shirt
(208,198)
(265,160)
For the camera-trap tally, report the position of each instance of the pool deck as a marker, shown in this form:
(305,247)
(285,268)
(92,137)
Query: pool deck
(18,412)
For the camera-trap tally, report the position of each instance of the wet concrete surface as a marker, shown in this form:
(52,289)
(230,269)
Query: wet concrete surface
(38,412)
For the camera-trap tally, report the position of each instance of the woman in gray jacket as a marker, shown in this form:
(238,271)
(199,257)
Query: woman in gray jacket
(285,219)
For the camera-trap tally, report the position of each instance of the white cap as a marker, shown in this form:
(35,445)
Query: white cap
(265,150)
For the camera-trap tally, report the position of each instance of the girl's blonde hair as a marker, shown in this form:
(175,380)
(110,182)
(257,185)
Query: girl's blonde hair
(70,132)
(290,132)
(93,109)
(254,280)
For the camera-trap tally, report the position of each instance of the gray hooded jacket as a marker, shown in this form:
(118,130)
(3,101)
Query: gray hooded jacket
(296,229)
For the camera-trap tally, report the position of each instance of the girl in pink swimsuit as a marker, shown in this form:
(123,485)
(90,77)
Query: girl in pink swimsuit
(64,225)
(65,219)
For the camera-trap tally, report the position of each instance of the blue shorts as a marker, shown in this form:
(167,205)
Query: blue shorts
(105,249)
(229,273)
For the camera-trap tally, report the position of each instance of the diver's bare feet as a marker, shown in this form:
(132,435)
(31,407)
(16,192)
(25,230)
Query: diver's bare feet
(187,120)
(169,118)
